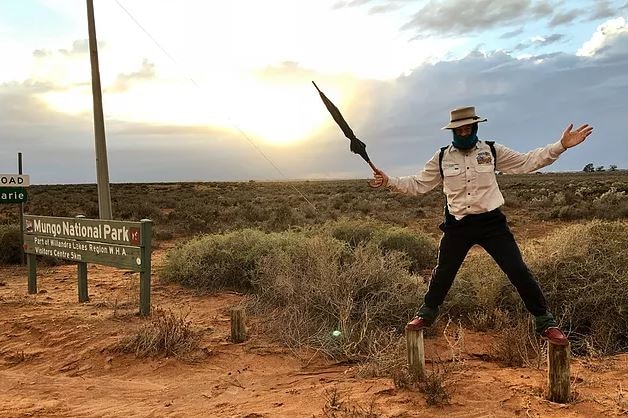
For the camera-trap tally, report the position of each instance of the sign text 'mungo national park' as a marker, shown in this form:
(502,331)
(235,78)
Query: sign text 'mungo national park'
(115,232)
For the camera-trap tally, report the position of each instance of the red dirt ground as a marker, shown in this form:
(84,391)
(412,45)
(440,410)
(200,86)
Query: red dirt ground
(56,361)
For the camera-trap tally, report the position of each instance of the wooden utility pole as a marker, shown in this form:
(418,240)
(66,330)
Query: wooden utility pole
(102,168)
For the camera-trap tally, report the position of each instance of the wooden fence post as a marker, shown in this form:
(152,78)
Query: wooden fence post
(238,329)
(558,374)
(416,353)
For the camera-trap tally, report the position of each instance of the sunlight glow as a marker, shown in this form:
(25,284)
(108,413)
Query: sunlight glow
(273,112)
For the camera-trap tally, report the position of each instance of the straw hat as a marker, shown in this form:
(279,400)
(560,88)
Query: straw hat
(463,116)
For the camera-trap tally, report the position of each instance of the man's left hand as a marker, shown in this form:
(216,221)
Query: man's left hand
(572,138)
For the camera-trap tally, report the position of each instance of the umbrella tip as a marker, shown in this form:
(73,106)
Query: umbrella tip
(315,85)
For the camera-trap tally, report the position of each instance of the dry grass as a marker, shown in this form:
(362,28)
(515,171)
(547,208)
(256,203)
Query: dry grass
(518,345)
(336,406)
(166,334)
(582,269)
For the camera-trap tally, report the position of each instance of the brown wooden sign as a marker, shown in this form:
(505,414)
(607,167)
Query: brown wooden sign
(85,251)
(121,244)
(83,229)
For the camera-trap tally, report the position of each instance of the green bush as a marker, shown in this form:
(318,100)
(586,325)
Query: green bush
(10,244)
(223,261)
(419,247)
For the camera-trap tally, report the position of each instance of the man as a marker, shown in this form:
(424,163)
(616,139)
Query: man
(472,216)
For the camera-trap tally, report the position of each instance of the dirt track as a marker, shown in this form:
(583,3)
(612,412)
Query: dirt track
(56,361)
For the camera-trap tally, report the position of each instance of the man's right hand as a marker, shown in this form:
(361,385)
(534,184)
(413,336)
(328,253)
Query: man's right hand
(380,179)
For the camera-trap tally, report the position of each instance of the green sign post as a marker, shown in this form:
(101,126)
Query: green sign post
(119,244)
(13,195)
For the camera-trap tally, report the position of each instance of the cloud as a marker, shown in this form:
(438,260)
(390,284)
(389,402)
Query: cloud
(528,103)
(123,81)
(564,18)
(539,41)
(456,17)
(511,34)
(79,47)
(603,10)
(41,53)
(605,34)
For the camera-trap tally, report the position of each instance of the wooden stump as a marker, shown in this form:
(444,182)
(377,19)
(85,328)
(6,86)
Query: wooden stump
(558,374)
(238,329)
(416,353)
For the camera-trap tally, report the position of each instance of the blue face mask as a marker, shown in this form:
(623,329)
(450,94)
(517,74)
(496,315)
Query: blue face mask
(466,142)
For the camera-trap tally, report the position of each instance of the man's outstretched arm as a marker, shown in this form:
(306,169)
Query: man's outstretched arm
(513,162)
(423,182)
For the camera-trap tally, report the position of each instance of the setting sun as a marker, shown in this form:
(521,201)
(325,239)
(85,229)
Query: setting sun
(269,111)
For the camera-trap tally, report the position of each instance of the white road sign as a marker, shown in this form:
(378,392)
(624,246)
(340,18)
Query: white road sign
(14,180)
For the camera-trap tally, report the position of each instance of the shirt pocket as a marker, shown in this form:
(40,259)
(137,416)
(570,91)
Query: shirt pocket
(486,174)
(452,177)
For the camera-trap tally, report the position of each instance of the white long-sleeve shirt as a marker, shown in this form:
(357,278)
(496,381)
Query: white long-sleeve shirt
(469,175)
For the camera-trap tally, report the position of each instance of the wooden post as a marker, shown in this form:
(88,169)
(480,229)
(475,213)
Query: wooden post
(31,260)
(83,295)
(146,234)
(238,329)
(416,353)
(81,269)
(558,375)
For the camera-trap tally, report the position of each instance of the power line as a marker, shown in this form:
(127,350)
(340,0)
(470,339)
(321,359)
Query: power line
(233,124)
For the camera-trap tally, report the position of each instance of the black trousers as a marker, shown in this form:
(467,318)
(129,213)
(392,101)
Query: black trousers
(491,232)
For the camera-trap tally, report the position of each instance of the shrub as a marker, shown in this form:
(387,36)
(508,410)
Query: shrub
(582,269)
(317,288)
(518,345)
(10,244)
(306,285)
(354,232)
(481,293)
(223,261)
(419,247)
(165,334)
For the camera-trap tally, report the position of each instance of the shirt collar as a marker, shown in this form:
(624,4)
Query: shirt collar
(475,147)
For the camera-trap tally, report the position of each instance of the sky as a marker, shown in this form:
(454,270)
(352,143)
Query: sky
(209,90)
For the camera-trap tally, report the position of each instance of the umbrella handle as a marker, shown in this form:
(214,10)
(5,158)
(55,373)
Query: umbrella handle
(375,170)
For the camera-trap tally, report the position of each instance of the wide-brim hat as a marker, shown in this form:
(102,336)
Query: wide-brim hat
(463,116)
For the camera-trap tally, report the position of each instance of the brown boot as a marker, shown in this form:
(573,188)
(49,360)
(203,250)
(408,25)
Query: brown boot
(555,336)
(417,323)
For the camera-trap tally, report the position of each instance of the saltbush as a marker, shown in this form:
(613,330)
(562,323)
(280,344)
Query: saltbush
(10,244)
(306,285)
(419,247)
(583,270)
(223,261)
(319,287)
